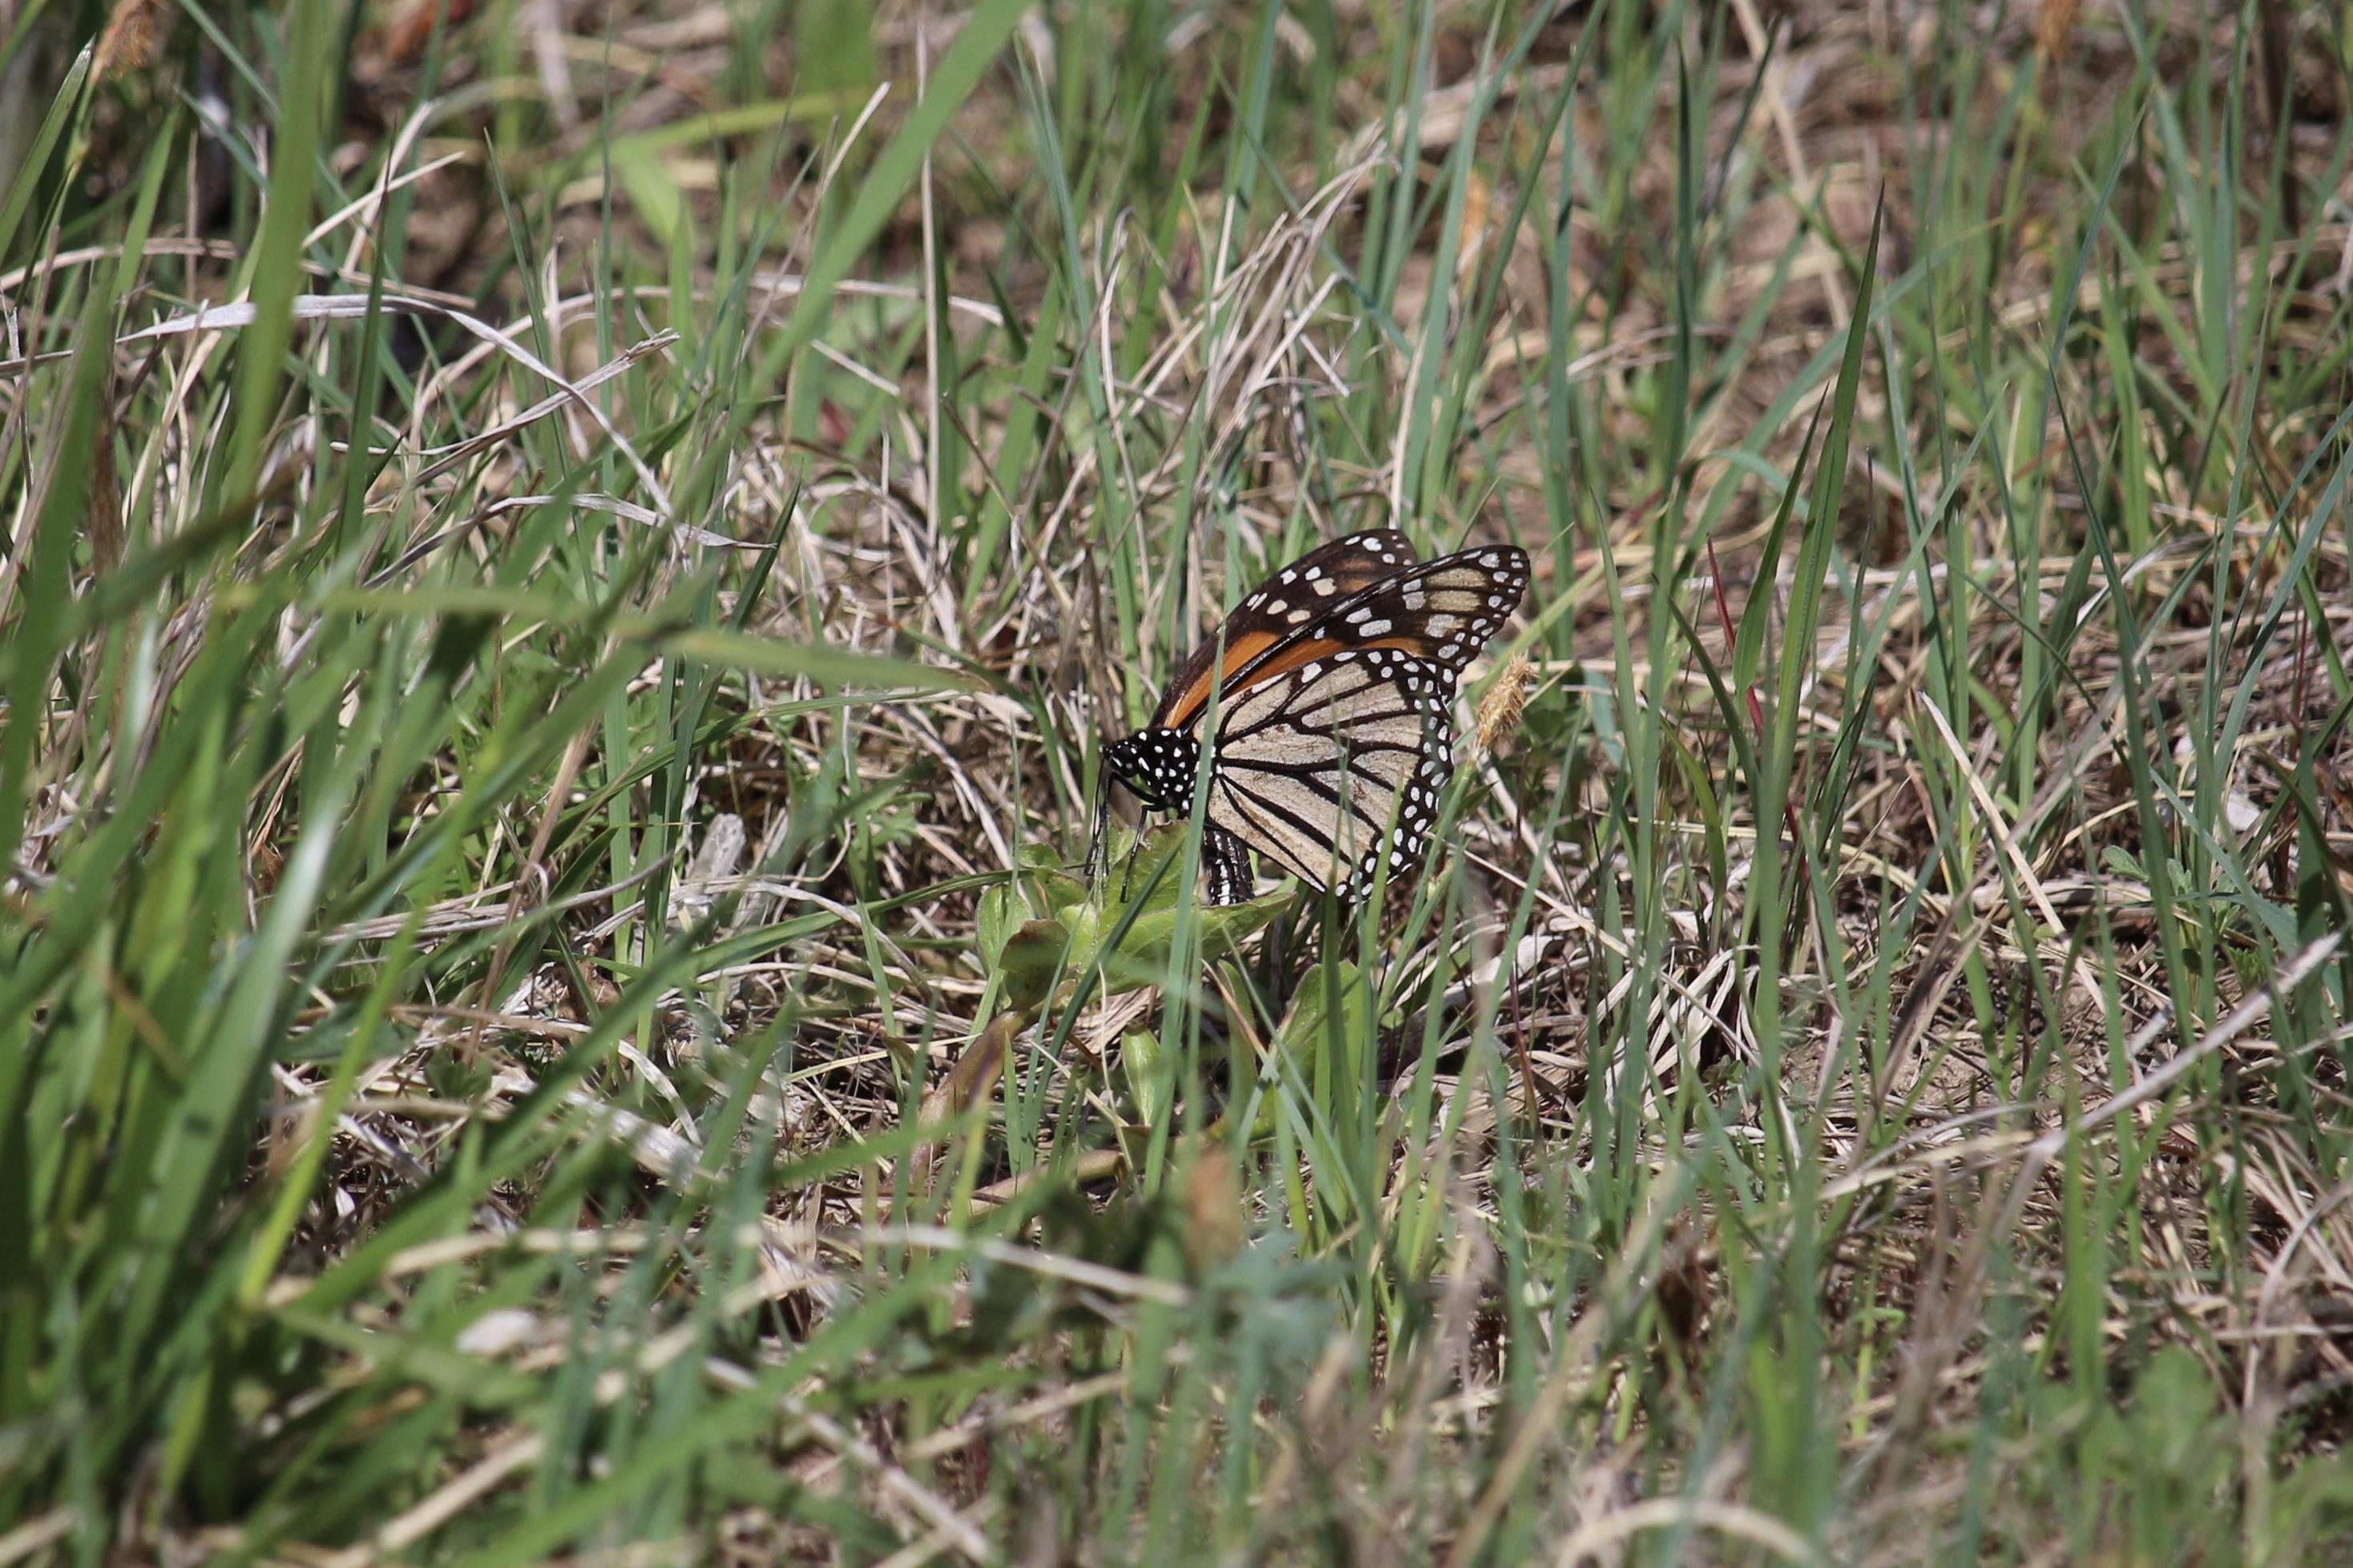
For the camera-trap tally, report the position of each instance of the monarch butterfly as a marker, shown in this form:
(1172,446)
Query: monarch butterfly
(1335,678)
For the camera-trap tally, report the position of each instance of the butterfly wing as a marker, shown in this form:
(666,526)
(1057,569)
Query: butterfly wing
(1441,612)
(1277,608)
(1334,766)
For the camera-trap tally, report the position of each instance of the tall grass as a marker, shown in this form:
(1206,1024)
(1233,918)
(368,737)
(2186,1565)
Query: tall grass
(545,1005)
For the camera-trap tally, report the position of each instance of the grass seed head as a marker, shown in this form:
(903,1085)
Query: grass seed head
(1500,709)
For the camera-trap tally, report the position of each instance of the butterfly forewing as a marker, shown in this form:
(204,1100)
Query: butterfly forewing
(1280,608)
(1335,766)
(1441,611)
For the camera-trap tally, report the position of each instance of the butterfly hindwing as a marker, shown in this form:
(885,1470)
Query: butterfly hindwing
(1279,608)
(1335,766)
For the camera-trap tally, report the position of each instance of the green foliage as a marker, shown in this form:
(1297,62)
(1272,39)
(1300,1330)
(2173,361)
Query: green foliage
(1121,937)
(1862,1080)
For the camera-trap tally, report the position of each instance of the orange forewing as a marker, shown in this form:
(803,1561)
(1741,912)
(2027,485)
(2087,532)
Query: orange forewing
(1313,648)
(1189,698)
(1290,658)
(1350,564)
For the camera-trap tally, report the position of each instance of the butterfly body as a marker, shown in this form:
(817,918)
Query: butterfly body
(1325,697)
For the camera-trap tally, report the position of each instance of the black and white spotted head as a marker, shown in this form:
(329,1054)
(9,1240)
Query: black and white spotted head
(1158,765)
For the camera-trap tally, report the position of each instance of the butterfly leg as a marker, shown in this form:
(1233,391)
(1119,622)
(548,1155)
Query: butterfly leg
(1226,860)
(1095,839)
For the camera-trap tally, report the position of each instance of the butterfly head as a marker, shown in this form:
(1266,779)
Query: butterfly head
(1158,765)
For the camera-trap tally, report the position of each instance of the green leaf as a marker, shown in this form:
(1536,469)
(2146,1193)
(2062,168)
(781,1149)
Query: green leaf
(1030,959)
(834,41)
(651,189)
(1314,1019)
(1139,1061)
